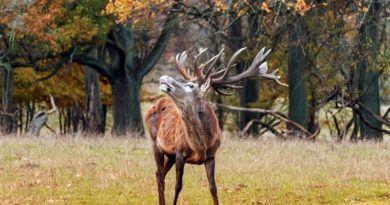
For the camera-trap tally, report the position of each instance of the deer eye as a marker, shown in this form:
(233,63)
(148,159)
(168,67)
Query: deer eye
(190,85)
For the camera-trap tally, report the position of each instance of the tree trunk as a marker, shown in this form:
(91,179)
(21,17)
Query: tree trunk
(37,122)
(136,123)
(368,77)
(77,119)
(312,126)
(354,134)
(218,98)
(369,86)
(249,95)
(220,111)
(121,105)
(125,70)
(126,105)
(40,119)
(94,108)
(104,110)
(30,112)
(8,87)
(68,120)
(20,120)
(296,78)
(61,121)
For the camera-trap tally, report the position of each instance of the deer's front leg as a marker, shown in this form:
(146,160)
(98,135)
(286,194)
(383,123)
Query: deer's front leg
(210,166)
(160,175)
(179,175)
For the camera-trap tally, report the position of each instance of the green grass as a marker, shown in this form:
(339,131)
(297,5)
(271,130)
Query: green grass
(121,171)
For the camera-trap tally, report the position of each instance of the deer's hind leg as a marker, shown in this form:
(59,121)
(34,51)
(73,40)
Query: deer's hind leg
(168,163)
(160,173)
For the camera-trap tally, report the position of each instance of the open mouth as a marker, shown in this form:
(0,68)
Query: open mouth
(166,87)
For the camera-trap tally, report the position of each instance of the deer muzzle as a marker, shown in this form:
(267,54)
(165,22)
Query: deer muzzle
(167,84)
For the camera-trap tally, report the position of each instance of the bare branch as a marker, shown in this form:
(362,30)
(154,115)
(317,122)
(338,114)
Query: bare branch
(271,128)
(53,106)
(368,123)
(274,113)
(7,114)
(378,118)
(386,113)
(51,129)
(96,64)
(159,47)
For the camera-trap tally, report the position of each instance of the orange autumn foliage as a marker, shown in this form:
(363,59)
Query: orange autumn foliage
(51,25)
(136,10)
(67,86)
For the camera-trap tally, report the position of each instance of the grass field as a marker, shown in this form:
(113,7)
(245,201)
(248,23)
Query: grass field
(121,171)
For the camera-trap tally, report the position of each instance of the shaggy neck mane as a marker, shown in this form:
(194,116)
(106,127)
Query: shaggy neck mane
(196,118)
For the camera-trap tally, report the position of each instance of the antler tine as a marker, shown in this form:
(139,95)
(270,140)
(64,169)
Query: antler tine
(208,61)
(271,76)
(198,70)
(231,61)
(220,72)
(213,62)
(224,92)
(217,73)
(263,68)
(259,58)
(180,60)
(232,86)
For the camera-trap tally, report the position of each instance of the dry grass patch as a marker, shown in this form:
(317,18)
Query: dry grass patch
(121,171)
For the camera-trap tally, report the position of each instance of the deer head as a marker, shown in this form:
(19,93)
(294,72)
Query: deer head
(195,87)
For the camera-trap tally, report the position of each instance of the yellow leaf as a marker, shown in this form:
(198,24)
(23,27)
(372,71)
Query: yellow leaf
(264,7)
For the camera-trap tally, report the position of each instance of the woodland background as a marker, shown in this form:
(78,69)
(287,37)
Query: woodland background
(70,69)
(101,60)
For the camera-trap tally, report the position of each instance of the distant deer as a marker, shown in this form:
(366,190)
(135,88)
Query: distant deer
(184,127)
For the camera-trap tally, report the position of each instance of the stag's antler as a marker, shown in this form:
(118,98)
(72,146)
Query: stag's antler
(254,70)
(221,80)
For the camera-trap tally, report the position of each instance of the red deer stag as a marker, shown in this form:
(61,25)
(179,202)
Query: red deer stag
(184,127)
